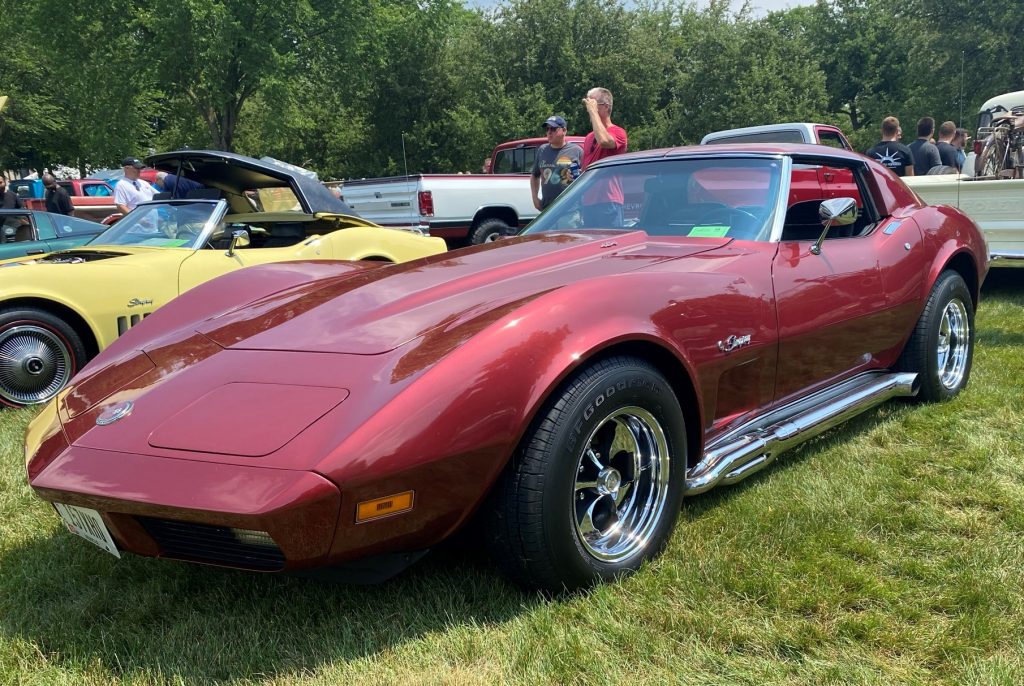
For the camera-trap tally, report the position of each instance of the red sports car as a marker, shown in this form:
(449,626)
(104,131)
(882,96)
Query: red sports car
(673,322)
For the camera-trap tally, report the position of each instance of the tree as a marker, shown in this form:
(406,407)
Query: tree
(218,54)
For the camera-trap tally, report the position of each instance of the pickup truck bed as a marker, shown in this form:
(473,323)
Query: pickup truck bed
(478,207)
(995,205)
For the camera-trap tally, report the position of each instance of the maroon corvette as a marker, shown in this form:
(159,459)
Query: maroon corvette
(569,386)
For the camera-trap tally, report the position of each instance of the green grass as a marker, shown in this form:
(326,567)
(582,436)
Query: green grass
(888,551)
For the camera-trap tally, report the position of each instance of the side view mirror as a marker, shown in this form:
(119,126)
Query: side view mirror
(834,212)
(239,239)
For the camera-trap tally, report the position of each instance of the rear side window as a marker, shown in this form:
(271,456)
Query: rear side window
(514,160)
(831,139)
(97,190)
(45,226)
(786,136)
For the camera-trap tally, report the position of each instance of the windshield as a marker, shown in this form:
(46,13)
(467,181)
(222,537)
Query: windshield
(733,197)
(162,225)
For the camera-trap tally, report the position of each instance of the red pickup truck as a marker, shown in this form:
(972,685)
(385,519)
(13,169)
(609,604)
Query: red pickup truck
(92,199)
(516,157)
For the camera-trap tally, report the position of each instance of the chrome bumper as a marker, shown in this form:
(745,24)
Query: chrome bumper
(1006,258)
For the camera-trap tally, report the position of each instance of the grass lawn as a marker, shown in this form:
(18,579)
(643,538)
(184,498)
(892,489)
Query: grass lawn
(888,551)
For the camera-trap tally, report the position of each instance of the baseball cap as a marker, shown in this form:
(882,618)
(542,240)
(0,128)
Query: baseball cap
(132,162)
(554,122)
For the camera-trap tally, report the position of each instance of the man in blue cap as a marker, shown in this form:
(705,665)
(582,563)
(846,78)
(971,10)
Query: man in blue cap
(556,165)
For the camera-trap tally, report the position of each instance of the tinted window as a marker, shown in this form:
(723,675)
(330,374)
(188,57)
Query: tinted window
(831,139)
(786,136)
(503,162)
(72,226)
(45,226)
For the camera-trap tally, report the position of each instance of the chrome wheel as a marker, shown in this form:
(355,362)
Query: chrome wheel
(622,485)
(35,363)
(952,351)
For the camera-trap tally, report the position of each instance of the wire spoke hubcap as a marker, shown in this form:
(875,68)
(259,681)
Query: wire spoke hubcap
(35,363)
(621,486)
(953,344)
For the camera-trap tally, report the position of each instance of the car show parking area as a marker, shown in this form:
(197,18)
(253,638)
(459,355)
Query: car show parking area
(887,550)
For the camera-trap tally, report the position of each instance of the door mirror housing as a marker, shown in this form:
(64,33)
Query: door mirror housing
(834,212)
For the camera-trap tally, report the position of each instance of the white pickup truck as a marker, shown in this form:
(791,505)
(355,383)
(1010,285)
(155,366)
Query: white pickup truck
(480,207)
(995,205)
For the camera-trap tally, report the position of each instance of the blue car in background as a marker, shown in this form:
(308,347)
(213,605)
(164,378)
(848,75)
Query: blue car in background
(29,232)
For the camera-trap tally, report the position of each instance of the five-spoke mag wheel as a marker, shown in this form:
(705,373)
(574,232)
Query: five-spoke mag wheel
(621,486)
(597,483)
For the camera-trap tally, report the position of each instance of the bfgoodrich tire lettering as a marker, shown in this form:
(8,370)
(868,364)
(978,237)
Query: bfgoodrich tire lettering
(941,348)
(596,486)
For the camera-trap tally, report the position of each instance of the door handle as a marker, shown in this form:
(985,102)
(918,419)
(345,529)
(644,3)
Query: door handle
(829,176)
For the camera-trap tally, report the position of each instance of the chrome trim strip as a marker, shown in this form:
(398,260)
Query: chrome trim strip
(1007,258)
(755,445)
(782,200)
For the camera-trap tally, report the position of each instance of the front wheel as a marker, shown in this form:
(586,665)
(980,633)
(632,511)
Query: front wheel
(941,348)
(39,353)
(597,485)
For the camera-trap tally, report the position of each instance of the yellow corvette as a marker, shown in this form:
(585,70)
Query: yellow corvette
(59,310)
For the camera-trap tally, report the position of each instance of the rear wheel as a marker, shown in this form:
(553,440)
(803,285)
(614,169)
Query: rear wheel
(596,487)
(489,230)
(941,348)
(39,353)
(991,160)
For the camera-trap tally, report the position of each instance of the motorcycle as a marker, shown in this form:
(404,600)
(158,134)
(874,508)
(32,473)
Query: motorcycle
(1002,146)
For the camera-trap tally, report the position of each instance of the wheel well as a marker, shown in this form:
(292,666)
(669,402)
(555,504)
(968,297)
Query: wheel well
(73,319)
(505,214)
(375,258)
(678,378)
(964,266)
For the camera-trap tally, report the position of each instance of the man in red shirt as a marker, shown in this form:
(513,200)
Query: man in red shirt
(603,200)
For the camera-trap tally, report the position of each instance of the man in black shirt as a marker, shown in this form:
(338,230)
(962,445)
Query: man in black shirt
(9,200)
(926,155)
(57,199)
(947,151)
(890,152)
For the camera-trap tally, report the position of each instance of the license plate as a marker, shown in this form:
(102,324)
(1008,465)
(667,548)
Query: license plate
(88,524)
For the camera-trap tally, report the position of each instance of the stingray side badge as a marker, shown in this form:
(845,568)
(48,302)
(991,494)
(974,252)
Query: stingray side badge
(733,342)
(115,412)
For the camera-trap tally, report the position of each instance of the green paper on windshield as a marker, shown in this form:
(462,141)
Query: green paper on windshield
(711,231)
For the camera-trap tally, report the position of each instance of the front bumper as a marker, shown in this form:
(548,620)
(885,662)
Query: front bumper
(1006,258)
(200,511)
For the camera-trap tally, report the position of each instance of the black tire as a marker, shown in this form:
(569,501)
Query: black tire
(489,230)
(39,353)
(941,348)
(556,490)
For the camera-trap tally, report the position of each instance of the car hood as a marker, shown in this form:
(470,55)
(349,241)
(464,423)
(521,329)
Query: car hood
(378,310)
(236,173)
(78,256)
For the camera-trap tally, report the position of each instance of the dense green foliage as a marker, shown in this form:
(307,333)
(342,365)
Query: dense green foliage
(340,85)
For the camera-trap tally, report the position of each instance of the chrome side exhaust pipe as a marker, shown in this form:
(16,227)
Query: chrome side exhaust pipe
(754,446)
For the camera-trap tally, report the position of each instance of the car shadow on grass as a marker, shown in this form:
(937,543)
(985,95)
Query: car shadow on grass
(168,621)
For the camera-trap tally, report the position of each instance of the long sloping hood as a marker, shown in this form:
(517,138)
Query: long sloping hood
(378,310)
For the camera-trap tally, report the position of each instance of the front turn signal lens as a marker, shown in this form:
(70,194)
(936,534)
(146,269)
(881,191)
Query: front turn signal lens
(384,507)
